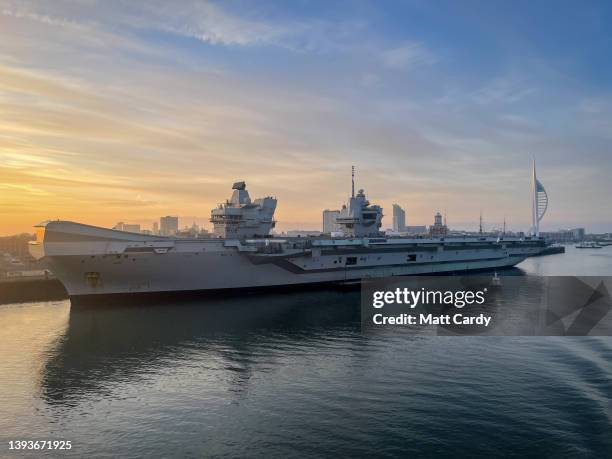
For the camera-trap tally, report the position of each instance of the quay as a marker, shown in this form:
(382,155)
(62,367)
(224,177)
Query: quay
(27,289)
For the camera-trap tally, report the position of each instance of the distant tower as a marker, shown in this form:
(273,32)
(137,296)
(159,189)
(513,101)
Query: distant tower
(480,224)
(352,181)
(399,219)
(438,229)
(539,201)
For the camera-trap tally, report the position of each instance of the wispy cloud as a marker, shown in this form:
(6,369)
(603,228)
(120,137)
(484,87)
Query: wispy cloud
(407,56)
(21,12)
(502,90)
(207,22)
(107,112)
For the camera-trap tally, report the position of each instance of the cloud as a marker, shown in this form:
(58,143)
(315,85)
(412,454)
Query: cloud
(502,90)
(407,56)
(22,13)
(207,22)
(370,80)
(201,20)
(106,115)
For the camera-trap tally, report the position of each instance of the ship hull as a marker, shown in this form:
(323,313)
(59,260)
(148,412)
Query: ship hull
(95,262)
(157,297)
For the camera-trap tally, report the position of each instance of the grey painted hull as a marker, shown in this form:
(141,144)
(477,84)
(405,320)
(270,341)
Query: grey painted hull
(93,261)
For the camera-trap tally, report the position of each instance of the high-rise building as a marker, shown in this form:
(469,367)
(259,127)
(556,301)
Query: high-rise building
(329,220)
(168,225)
(399,219)
(155,228)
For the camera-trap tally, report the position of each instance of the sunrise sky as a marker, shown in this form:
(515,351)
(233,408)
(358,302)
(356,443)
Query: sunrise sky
(123,110)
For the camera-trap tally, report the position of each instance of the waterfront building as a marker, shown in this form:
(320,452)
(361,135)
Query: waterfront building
(438,229)
(564,235)
(16,246)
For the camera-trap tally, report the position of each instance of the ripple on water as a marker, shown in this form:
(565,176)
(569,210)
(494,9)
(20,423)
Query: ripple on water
(293,377)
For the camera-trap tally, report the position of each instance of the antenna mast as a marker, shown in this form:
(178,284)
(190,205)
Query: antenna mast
(480,226)
(352,181)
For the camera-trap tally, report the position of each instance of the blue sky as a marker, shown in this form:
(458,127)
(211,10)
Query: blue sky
(140,109)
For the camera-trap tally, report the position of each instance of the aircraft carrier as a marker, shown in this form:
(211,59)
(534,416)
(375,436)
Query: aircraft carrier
(93,262)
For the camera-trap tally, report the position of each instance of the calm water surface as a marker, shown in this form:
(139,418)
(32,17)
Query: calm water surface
(292,374)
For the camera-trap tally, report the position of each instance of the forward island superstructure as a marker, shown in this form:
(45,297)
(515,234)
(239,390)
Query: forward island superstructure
(239,218)
(93,261)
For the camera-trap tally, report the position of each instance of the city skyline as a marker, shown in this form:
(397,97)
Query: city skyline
(149,226)
(115,111)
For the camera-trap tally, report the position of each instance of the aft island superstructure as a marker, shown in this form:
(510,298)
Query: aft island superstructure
(95,261)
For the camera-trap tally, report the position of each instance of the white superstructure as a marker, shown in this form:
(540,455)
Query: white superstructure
(359,218)
(238,217)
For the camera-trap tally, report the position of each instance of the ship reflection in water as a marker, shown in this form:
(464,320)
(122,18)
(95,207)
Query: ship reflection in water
(121,342)
(292,374)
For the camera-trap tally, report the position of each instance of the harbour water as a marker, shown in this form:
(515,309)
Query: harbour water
(292,374)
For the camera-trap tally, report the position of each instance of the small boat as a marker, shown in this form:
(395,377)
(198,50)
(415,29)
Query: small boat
(589,245)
